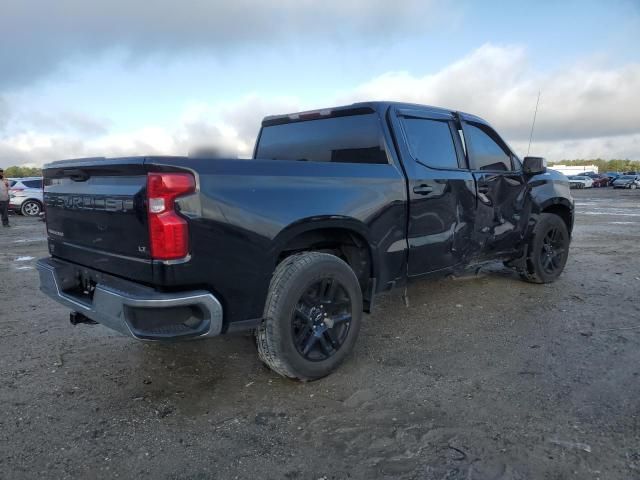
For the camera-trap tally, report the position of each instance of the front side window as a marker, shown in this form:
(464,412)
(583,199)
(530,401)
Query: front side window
(485,152)
(347,139)
(430,142)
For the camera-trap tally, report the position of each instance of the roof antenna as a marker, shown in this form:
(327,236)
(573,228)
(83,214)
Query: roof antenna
(533,124)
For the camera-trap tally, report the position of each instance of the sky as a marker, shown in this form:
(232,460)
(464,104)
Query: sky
(133,77)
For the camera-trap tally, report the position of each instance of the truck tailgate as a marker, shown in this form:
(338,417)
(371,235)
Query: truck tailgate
(96,215)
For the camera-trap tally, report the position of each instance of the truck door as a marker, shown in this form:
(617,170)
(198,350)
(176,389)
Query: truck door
(502,200)
(441,189)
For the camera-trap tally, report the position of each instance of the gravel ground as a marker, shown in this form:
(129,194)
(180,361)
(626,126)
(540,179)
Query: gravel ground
(482,377)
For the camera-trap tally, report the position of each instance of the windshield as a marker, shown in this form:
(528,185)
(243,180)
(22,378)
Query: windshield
(626,177)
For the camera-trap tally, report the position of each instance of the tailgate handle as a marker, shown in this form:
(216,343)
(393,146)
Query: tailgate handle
(76,174)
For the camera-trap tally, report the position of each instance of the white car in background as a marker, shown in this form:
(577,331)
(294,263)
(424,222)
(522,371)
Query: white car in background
(25,196)
(580,181)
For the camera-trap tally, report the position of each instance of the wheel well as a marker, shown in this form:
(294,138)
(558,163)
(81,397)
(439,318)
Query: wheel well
(563,212)
(346,244)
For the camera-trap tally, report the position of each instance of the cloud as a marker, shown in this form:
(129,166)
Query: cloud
(585,112)
(67,122)
(500,85)
(4,114)
(194,133)
(36,36)
(612,147)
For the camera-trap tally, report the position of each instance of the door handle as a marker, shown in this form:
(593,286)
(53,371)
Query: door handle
(423,189)
(484,189)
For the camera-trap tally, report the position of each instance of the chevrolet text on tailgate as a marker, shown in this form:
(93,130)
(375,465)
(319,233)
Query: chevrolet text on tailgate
(335,206)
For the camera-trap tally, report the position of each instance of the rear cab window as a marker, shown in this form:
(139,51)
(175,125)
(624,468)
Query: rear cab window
(340,139)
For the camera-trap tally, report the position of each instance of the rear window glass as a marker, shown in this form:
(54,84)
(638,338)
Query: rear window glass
(350,139)
(430,142)
(33,183)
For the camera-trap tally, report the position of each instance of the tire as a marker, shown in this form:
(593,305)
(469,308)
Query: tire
(633,186)
(297,338)
(31,208)
(547,250)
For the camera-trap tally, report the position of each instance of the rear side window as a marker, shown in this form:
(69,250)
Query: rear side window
(33,183)
(485,152)
(349,139)
(430,142)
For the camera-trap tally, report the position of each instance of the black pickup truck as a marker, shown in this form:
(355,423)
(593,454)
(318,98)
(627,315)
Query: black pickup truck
(335,206)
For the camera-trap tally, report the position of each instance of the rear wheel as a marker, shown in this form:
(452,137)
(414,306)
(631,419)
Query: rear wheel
(31,208)
(312,316)
(547,251)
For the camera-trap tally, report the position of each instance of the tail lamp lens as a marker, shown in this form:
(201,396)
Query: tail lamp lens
(168,231)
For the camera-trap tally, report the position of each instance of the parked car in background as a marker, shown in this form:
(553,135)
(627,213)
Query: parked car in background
(612,176)
(600,180)
(25,196)
(580,181)
(627,181)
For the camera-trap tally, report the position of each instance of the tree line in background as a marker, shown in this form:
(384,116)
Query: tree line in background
(605,165)
(18,172)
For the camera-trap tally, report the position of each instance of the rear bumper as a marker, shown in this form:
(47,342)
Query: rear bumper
(16,202)
(130,308)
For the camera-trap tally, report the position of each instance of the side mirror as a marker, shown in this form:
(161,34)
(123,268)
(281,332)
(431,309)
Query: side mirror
(534,165)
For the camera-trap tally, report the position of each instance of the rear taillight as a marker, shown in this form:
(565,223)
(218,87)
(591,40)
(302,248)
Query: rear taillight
(168,231)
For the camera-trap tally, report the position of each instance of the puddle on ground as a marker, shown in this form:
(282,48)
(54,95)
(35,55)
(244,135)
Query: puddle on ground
(610,212)
(30,240)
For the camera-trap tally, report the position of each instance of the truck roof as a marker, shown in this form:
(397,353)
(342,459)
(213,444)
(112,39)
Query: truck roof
(357,109)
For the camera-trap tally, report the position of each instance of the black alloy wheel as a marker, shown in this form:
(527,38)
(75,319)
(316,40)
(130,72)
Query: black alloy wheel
(312,316)
(552,252)
(321,320)
(547,250)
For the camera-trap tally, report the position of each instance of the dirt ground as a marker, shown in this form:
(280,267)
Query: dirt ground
(482,377)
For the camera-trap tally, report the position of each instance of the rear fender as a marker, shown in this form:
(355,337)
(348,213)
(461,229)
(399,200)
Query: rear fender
(347,224)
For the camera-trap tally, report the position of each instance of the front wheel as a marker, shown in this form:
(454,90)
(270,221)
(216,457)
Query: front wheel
(547,250)
(312,316)
(633,186)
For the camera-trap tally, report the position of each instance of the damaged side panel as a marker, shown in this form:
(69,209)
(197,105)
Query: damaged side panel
(501,216)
